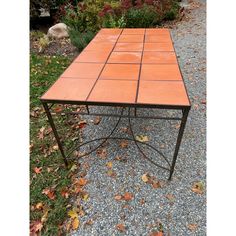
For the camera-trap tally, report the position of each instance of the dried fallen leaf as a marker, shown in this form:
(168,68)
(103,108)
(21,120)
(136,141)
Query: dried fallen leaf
(170,197)
(31,147)
(102,152)
(111,173)
(128,196)
(109,164)
(156,184)
(192,227)
(85,197)
(37,170)
(65,193)
(198,187)
(39,206)
(120,227)
(41,133)
(97,120)
(49,192)
(75,223)
(82,124)
(145,178)
(142,138)
(73,214)
(118,197)
(55,147)
(156,233)
(35,227)
(45,216)
(89,222)
(124,144)
(82,181)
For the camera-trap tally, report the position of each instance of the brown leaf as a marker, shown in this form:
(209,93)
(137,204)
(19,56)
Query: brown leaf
(41,133)
(31,147)
(65,193)
(192,227)
(36,226)
(58,109)
(49,193)
(156,233)
(128,196)
(82,181)
(145,178)
(75,223)
(37,170)
(142,201)
(118,197)
(97,120)
(198,187)
(102,152)
(39,206)
(82,124)
(89,222)
(120,227)
(124,144)
(156,184)
(170,197)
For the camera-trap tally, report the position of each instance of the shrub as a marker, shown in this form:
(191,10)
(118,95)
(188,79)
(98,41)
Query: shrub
(142,17)
(172,12)
(111,21)
(80,39)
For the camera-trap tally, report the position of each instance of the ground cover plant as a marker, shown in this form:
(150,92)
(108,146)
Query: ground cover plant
(51,183)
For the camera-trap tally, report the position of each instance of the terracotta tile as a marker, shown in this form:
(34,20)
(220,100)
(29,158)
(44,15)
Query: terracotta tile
(159,57)
(117,91)
(93,46)
(133,31)
(93,56)
(131,38)
(162,93)
(159,31)
(67,89)
(103,38)
(125,57)
(110,31)
(83,70)
(160,72)
(120,72)
(157,38)
(128,47)
(160,47)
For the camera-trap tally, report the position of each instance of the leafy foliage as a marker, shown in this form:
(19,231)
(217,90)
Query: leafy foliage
(143,17)
(80,40)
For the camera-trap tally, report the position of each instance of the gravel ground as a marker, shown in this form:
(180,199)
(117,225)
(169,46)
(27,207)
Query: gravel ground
(180,210)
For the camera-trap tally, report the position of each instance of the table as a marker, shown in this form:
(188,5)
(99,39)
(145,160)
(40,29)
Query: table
(128,68)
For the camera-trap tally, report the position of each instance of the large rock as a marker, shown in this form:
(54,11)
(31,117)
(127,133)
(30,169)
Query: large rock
(58,31)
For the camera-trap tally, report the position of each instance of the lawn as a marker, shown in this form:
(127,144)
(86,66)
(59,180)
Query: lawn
(49,179)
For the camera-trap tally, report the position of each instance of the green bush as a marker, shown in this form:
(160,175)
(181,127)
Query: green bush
(111,21)
(80,40)
(144,17)
(172,12)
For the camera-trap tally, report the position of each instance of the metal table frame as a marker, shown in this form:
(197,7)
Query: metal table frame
(47,104)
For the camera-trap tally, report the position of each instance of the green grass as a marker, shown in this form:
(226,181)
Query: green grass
(43,72)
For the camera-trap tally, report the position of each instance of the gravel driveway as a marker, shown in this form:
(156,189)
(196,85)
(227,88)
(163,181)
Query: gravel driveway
(173,205)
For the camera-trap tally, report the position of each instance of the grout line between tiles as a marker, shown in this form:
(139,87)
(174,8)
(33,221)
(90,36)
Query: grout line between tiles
(104,65)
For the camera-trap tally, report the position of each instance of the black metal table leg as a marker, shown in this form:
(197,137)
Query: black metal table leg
(50,119)
(179,139)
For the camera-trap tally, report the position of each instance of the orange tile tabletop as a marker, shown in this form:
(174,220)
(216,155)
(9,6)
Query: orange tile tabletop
(137,67)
